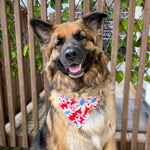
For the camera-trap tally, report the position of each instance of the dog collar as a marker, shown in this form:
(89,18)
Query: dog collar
(79,110)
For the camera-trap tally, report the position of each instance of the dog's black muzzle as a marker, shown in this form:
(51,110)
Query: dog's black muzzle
(74,59)
(72,55)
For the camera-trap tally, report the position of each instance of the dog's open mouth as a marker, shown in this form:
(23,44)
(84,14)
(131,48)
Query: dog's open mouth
(76,70)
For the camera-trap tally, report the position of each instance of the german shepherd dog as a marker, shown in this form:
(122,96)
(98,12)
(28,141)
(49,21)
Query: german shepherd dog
(82,115)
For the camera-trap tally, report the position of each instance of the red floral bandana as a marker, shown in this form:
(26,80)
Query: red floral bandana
(79,112)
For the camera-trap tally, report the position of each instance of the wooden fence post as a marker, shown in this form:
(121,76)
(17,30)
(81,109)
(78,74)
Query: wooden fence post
(44,17)
(33,67)
(58,11)
(115,37)
(71,10)
(141,70)
(2,115)
(127,72)
(8,73)
(21,73)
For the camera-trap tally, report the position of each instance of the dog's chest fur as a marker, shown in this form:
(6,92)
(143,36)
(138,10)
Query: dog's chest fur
(96,131)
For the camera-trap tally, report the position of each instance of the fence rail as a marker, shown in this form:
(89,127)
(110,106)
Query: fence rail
(25,139)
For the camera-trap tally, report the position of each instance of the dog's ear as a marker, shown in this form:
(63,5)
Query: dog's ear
(42,30)
(94,20)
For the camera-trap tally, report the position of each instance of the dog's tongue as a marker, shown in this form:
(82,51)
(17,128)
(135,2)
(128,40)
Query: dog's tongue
(75,68)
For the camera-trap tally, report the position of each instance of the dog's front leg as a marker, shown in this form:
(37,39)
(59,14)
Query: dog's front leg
(110,145)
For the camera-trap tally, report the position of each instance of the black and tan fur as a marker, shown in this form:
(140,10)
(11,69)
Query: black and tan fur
(58,41)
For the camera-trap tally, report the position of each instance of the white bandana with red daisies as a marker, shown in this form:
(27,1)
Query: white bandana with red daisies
(79,112)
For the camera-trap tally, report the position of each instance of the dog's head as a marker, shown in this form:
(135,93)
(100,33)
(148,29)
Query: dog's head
(74,57)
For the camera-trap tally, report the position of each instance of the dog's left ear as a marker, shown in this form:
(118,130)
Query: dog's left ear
(94,20)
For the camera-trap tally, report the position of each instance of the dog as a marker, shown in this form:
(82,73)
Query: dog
(82,114)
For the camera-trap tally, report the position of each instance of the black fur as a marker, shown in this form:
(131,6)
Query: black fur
(51,115)
(39,142)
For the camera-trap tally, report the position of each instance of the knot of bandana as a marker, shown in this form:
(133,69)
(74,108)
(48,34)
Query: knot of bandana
(79,110)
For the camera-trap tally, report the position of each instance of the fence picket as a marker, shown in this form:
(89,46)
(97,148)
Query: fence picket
(141,74)
(86,6)
(147,144)
(8,73)
(58,11)
(115,40)
(101,9)
(71,10)
(44,17)
(32,67)
(21,72)
(2,116)
(127,72)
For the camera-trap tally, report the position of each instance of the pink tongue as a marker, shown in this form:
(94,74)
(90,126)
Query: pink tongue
(75,68)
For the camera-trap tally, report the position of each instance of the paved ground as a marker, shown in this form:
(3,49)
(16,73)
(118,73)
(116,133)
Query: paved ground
(119,105)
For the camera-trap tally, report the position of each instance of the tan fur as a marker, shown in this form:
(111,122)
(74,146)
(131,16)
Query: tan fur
(98,131)
(102,124)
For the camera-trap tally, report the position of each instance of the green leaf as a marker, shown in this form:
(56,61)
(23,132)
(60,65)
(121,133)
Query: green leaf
(149,41)
(2,53)
(92,3)
(147,78)
(9,7)
(147,57)
(14,68)
(51,3)
(26,51)
(147,64)
(82,4)
(125,41)
(108,75)
(10,24)
(112,13)
(124,23)
(119,58)
(134,77)
(137,43)
(13,54)
(107,11)
(39,62)
(13,73)
(64,1)
(140,2)
(119,42)
(12,39)
(139,26)
(37,45)
(37,11)
(39,58)
(65,13)
(109,45)
(64,21)
(119,76)
(124,3)
(134,60)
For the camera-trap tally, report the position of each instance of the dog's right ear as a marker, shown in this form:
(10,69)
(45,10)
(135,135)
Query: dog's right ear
(42,30)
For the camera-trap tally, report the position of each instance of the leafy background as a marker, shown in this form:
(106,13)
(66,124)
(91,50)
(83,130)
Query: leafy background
(122,43)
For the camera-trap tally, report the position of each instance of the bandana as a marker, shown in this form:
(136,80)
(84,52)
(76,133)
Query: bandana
(79,112)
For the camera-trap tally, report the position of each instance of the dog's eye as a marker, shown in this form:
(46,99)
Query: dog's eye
(59,42)
(79,36)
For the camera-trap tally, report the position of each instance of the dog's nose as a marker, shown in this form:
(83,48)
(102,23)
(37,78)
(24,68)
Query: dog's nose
(70,54)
